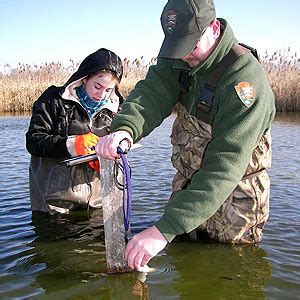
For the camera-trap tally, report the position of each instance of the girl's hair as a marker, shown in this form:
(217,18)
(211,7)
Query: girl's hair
(105,72)
(115,78)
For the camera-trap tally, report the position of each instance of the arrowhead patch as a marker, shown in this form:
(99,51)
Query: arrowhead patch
(170,20)
(246,93)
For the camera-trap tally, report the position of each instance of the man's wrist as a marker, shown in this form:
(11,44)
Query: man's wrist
(161,226)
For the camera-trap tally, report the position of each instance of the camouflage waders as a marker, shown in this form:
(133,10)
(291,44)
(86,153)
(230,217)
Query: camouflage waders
(242,216)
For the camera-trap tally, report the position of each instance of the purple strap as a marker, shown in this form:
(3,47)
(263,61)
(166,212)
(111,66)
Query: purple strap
(127,193)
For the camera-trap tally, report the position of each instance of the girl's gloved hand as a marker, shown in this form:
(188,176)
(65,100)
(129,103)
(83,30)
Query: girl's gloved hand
(85,143)
(82,145)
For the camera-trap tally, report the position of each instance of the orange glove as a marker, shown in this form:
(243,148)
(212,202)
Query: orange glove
(85,144)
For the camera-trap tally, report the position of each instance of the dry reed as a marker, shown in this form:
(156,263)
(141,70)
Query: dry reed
(133,72)
(21,86)
(283,70)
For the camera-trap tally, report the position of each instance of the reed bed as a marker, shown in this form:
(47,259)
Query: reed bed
(21,86)
(283,70)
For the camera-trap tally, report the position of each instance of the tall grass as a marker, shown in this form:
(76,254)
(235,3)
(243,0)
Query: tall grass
(21,86)
(133,72)
(283,69)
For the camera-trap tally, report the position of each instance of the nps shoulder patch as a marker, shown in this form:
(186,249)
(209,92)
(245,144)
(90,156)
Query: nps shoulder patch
(246,93)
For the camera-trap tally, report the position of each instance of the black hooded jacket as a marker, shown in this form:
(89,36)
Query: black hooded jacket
(54,118)
(57,115)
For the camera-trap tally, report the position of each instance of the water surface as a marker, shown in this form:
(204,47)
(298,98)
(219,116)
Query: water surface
(64,257)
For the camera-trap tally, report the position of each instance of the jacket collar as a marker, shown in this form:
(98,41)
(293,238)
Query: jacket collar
(70,90)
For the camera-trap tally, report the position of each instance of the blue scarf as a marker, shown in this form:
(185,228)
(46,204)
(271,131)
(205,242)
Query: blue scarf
(89,104)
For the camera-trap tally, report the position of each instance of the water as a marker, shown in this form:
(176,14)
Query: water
(64,257)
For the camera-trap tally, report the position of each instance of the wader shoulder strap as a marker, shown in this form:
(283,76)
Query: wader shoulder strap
(184,80)
(206,97)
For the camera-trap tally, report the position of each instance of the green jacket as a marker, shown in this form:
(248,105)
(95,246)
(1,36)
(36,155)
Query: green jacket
(236,129)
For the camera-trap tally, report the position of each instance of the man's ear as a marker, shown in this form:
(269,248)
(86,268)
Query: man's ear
(216,28)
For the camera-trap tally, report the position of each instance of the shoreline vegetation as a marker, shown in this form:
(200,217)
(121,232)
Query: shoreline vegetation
(21,86)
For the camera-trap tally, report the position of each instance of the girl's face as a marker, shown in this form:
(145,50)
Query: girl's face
(99,86)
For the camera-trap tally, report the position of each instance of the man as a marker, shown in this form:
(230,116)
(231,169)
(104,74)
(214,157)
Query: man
(221,136)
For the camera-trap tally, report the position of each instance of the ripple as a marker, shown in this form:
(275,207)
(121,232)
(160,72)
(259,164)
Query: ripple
(66,251)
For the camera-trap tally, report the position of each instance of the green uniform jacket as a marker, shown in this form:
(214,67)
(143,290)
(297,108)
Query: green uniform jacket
(236,129)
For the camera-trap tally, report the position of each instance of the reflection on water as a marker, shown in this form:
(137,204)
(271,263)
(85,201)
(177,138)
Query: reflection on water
(282,238)
(63,257)
(80,225)
(288,117)
(217,271)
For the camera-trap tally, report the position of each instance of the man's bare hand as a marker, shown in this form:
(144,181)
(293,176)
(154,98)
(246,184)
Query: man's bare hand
(143,246)
(107,145)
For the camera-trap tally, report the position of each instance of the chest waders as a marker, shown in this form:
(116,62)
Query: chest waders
(55,187)
(242,216)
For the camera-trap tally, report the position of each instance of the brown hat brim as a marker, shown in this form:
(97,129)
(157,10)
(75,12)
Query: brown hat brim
(178,47)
